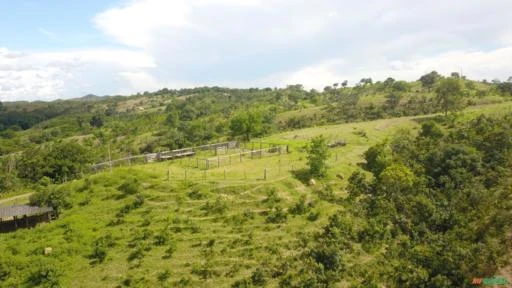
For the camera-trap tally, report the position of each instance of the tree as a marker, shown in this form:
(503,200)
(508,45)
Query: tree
(51,197)
(318,152)
(344,83)
(400,86)
(429,80)
(59,162)
(96,121)
(366,81)
(449,94)
(396,179)
(431,130)
(246,124)
(388,82)
(173,117)
(392,101)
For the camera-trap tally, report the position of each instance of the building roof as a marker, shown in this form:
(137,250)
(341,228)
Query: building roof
(22,210)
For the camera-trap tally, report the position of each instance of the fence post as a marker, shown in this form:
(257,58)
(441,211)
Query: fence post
(265,174)
(168,174)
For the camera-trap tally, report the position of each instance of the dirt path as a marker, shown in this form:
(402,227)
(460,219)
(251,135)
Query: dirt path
(26,195)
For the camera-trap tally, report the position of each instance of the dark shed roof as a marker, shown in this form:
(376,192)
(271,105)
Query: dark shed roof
(22,210)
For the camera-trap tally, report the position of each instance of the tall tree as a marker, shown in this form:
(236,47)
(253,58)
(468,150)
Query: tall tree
(246,124)
(318,152)
(449,94)
(429,80)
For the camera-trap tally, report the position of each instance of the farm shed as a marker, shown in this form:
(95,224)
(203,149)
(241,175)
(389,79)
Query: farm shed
(23,216)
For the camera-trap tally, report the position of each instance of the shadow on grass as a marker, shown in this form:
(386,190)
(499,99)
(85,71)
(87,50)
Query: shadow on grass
(438,119)
(302,175)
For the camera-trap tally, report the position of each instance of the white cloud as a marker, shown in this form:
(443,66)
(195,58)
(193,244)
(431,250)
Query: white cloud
(51,75)
(141,81)
(135,23)
(473,64)
(241,43)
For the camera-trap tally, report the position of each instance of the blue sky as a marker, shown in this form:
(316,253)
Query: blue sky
(63,49)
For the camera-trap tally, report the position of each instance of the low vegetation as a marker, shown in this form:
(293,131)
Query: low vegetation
(419,201)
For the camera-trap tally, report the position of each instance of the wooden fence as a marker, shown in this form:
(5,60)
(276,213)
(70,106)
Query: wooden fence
(222,157)
(165,155)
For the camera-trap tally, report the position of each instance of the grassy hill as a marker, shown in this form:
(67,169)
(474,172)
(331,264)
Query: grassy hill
(149,226)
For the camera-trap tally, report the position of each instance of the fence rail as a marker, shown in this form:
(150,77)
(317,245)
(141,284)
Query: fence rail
(246,150)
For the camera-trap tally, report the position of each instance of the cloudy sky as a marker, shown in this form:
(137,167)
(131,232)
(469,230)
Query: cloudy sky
(63,49)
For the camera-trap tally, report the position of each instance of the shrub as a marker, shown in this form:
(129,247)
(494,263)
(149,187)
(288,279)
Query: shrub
(171,248)
(301,207)
(45,275)
(258,277)
(51,197)
(313,216)
(129,187)
(276,215)
(164,276)
(162,238)
(272,198)
(217,207)
(100,248)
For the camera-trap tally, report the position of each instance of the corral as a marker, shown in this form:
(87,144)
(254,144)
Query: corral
(206,156)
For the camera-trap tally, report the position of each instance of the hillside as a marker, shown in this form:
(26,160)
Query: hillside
(148,225)
(416,164)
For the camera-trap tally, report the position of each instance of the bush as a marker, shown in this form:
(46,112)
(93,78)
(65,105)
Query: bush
(100,248)
(46,275)
(171,248)
(258,277)
(51,197)
(276,215)
(301,207)
(272,198)
(129,187)
(217,207)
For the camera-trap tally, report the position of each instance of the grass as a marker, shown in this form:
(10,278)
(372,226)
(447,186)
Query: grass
(218,222)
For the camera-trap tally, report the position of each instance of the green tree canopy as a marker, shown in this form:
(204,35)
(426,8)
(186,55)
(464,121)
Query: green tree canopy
(449,94)
(246,124)
(429,80)
(318,152)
